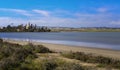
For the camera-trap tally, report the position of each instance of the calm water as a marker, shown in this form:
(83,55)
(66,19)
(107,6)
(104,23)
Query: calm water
(109,40)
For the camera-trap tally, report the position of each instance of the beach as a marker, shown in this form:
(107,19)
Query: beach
(66,48)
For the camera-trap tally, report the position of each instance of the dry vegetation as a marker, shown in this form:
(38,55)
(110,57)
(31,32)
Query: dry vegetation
(22,57)
(89,58)
(38,57)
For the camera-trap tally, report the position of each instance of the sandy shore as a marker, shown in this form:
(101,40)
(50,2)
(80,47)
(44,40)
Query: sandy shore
(59,48)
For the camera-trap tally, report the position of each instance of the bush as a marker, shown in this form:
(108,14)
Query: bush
(6,51)
(37,48)
(70,66)
(49,65)
(8,64)
(12,55)
(42,49)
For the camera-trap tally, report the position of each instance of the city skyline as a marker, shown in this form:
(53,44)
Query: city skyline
(66,13)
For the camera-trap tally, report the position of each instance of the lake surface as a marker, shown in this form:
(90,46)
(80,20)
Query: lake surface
(109,40)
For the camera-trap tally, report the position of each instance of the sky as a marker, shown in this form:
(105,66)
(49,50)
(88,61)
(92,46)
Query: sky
(61,13)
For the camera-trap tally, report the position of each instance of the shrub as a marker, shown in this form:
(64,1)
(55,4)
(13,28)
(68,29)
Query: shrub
(49,65)
(8,64)
(37,48)
(12,55)
(30,47)
(6,51)
(42,49)
(70,66)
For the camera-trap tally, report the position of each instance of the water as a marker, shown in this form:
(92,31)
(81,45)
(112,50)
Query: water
(109,40)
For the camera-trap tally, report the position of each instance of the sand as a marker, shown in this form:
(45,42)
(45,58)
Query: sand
(65,48)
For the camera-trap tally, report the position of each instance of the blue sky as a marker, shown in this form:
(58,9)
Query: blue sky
(65,13)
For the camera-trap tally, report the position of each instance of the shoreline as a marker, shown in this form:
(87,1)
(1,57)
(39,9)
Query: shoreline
(72,43)
(66,48)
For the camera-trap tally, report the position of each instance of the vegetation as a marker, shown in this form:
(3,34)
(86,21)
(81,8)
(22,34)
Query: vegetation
(33,57)
(89,58)
(22,57)
(27,28)
(13,56)
(34,28)
(51,64)
(85,29)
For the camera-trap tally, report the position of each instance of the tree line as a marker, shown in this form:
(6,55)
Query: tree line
(24,28)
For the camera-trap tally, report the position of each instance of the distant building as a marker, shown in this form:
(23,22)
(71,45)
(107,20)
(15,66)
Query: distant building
(27,26)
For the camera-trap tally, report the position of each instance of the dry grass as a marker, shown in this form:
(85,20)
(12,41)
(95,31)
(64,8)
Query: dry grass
(64,48)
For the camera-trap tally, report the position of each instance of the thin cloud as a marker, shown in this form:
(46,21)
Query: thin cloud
(19,11)
(102,9)
(75,19)
(50,21)
(8,20)
(42,12)
(116,22)
(83,20)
